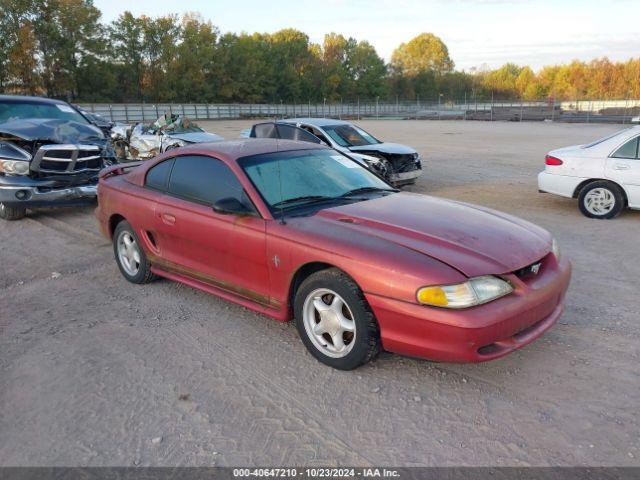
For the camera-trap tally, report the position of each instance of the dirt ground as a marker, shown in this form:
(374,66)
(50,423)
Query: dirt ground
(96,371)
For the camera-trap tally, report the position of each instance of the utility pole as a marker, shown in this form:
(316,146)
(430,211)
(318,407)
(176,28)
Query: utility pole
(465,105)
(491,114)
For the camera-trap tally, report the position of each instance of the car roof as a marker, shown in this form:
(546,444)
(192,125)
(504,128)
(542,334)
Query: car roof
(316,122)
(28,99)
(232,150)
(228,151)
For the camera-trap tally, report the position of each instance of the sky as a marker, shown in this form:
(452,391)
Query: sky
(478,33)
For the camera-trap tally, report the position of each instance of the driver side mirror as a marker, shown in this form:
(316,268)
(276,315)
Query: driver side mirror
(231,206)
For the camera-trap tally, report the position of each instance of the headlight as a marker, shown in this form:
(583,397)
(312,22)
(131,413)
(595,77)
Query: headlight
(555,248)
(14,167)
(476,291)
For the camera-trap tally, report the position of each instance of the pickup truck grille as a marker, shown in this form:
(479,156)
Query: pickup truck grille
(67,159)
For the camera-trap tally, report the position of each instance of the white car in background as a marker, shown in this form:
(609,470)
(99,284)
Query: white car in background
(604,175)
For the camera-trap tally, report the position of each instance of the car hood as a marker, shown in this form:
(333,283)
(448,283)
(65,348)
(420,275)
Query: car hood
(473,240)
(53,130)
(196,137)
(384,147)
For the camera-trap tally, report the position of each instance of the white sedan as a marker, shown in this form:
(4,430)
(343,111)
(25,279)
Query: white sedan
(604,175)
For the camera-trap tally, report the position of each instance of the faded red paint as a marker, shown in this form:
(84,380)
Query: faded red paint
(391,246)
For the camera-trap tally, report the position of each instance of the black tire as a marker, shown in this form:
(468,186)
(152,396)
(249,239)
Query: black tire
(12,213)
(143,274)
(367,337)
(612,189)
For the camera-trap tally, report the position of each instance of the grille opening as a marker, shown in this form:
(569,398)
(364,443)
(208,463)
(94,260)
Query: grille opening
(63,154)
(488,349)
(82,164)
(529,329)
(53,166)
(530,271)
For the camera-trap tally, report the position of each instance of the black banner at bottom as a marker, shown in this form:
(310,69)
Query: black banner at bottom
(302,473)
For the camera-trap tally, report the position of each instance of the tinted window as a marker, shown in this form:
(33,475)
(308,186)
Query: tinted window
(158,176)
(264,130)
(204,179)
(290,132)
(628,150)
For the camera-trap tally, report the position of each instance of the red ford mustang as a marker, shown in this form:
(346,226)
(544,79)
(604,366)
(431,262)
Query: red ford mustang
(296,230)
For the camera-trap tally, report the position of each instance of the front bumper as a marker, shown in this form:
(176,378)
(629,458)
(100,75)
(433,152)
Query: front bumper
(30,193)
(405,176)
(476,334)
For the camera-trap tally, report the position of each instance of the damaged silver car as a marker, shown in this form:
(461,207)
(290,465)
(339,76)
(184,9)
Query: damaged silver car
(145,141)
(398,164)
(50,155)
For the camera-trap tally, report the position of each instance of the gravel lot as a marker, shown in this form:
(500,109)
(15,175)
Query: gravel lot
(96,371)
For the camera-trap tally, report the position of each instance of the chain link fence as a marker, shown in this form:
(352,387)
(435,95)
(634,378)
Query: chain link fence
(588,111)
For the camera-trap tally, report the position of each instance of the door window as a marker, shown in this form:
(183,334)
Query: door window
(205,180)
(628,150)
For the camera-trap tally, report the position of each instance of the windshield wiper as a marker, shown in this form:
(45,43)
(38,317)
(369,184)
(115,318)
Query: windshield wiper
(355,191)
(306,199)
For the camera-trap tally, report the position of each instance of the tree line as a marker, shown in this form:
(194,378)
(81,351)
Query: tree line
(60,48)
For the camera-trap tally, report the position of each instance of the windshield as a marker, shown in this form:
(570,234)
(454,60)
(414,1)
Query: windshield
(349,135)
(21,110)
(296,178)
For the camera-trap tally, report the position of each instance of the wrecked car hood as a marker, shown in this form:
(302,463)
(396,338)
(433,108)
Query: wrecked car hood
(385,147)
(474,240)
(195,137)
(52,130)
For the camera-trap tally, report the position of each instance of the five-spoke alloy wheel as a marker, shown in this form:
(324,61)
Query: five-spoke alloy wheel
(328,322)
(130,256)
(335,321)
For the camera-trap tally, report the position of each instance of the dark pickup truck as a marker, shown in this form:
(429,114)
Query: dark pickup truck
(50,155)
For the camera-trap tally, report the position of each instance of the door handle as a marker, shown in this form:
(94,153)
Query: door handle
(621,166)
(168,219)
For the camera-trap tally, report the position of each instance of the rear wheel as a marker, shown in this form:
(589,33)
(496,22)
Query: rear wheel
(12,213)
(130,257)
(601,200)
(335,321)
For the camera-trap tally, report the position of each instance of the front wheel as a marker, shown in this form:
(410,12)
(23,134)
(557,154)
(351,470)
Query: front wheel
(12,213)
(335,321)
(602,200)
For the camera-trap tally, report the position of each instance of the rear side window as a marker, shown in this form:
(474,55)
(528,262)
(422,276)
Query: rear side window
(264,130)
(158,176)
(290,132)
(628,150)
(204,180)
